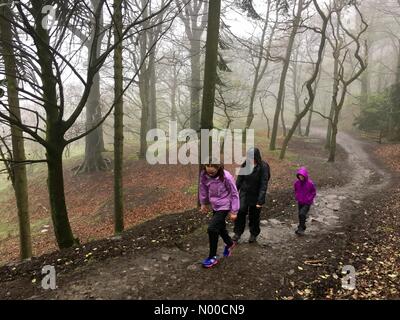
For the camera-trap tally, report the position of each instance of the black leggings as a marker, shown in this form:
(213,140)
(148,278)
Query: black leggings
(217,227)
(303,211)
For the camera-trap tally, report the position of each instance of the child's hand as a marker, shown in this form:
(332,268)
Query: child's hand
(233,216)
(204,209)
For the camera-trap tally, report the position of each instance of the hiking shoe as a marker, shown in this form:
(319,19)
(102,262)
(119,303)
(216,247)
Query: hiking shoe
(236,237)
(300,232)
(210,262)
(252,239)
(228,250)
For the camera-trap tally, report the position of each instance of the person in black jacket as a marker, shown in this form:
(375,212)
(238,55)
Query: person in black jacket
(252,183)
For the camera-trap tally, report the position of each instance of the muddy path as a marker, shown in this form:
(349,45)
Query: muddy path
(254,271)
(366,177)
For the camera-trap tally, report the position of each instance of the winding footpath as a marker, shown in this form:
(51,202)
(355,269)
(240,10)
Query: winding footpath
(253,271)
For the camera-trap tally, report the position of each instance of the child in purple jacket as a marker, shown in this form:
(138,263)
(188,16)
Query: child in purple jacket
(305,193)
(218,188)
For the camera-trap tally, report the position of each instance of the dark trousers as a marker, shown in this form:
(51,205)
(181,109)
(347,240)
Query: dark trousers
(217,227)
(254,220)
(303,211)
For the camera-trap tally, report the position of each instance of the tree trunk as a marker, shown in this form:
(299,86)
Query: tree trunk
(194,30)
(147,75)
(210,77)
(152,91)
(94,141)
(310,114)
(335,91)
(144,98)
(195,88)
(143,132)
(258,72)
(332,128)
(54,134)
(260,69)
(118,121)
(338,104)
(329,130)
(144,86)
(283,115)
(266,117)
(296,24)
(19,178)
(392,135)
(332,149)
(310,82)
(365,88)
(174,87)
(210,72)
(307,133)
(365,80)
(296,94)
(250,114)
(55,184)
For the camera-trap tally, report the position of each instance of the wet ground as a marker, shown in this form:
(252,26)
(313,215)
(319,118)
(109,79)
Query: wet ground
(162,259)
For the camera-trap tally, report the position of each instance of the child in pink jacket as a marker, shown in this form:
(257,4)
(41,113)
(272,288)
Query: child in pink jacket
(218,189)
(305,193)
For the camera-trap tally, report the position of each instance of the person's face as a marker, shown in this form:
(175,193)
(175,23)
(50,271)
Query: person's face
(211,171)
(301,178)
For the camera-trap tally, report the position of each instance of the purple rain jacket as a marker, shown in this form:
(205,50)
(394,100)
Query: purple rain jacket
(305,191)
(222,195)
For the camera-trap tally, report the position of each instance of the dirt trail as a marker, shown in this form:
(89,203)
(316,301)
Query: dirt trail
(326,212)
(254,271)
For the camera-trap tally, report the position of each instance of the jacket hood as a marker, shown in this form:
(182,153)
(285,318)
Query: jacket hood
(303,171)
(254,153)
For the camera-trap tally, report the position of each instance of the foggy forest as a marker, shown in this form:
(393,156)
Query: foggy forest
(105,110)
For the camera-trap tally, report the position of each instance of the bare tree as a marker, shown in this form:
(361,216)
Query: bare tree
(17,168)
(118,119)
(147,76)
(296,69)
(262,56)
(339,94)
(310,83)
(210,74)
(301,6)
(336,47)
(49,63)
(316,85)
(193,17)
(94,141)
